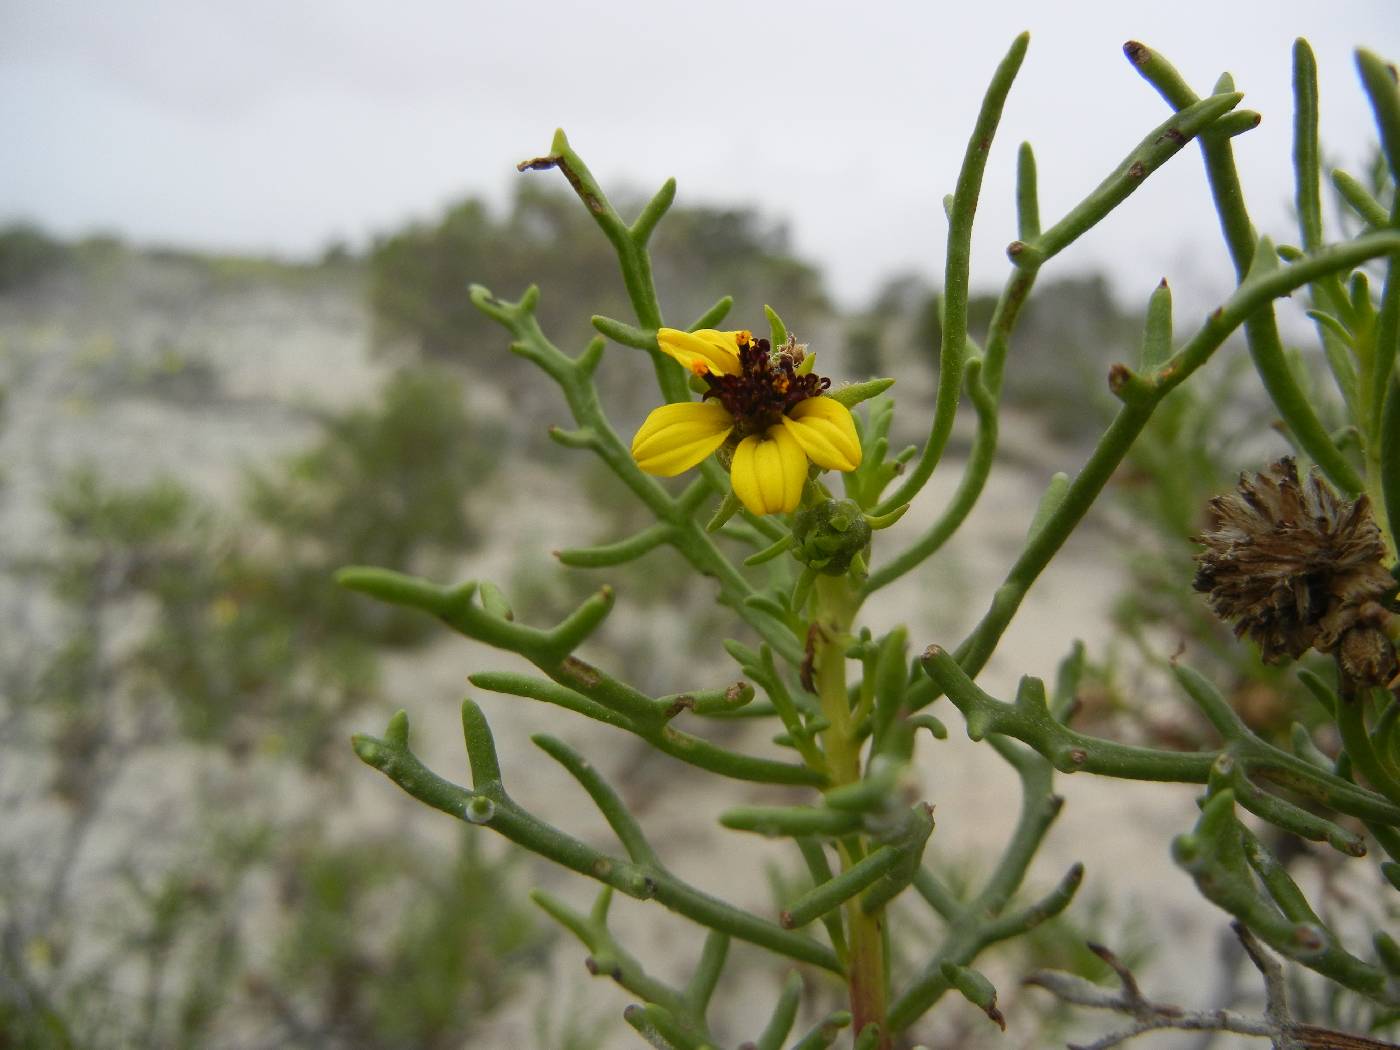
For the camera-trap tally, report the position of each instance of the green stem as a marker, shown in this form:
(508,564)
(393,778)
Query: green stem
(575,379)
(609,958)
(1378,383)
(841,890)
(1084,490)
(832,627)
(865,967)
(496,810)
(1214,855)
(1351,724)
(1160,145)
(1307,166)
(1261,329)
(1029,254)
(970,486)
(983,921)
(629,242)
(1033,723)
(1389,504)
(784,1014)
(956,276)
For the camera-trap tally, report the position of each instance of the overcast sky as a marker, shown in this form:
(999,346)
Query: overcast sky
(280,126)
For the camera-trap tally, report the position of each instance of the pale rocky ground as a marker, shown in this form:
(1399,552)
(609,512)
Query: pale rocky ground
(276,349)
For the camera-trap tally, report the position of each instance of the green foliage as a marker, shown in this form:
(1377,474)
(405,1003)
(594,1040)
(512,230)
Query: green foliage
(100,519)
(454,955)
(238,670)
(418,275)
(26,256)
(386,484)
(387,481)
(185,630)
(861,829)
(1195,447)
(1071,332)
(227,647)
(169,372)
(251,638)
(189,631)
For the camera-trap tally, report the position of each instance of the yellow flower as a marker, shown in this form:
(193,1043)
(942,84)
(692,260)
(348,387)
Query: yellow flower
(770,399)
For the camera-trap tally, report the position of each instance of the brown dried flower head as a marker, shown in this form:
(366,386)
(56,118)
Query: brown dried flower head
(1294,566)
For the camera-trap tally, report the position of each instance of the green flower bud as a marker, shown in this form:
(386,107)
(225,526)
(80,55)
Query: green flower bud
(830,535)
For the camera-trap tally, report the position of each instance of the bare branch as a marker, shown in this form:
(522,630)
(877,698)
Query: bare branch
(1277,1025)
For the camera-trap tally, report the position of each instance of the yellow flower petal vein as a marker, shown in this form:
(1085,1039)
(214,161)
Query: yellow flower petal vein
(826,433)
(674,438)
(769,471)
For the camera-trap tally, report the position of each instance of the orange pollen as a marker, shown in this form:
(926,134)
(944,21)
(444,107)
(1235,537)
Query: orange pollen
(700,367)
(743,338)
(781,384)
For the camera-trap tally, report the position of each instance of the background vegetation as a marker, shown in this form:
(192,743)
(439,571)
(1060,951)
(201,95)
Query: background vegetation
(193,644)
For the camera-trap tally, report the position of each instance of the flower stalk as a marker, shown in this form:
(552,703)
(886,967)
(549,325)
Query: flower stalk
(835,606)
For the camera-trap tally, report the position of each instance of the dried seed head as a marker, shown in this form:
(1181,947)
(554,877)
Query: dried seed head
(1295,566)
(1365,652)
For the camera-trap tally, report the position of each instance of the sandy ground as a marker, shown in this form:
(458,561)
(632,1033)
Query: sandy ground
(275,350)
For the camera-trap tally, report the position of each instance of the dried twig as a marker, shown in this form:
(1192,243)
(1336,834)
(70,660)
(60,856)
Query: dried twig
(1276,1025)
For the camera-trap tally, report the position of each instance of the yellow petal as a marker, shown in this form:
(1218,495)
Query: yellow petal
(768,472)
(704,351)
(676,437)
(826,432)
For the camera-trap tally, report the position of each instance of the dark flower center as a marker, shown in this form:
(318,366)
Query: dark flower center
(766,387)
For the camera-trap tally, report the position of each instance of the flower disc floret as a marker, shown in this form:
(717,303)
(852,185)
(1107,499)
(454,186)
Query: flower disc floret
(766,386)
